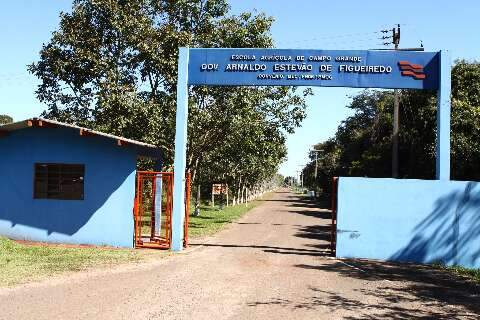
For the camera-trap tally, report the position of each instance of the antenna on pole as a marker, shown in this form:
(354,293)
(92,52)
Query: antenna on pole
(396,36)
(396,111)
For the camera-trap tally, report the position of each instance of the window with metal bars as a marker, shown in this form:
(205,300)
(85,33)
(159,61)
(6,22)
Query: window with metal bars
(59,181)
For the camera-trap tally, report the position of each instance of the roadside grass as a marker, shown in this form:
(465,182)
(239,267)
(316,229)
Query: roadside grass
(473,274)
(297,191)
(21,263)
(212,220)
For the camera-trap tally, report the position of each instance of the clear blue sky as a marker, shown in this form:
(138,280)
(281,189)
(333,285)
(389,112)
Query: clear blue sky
(348,24)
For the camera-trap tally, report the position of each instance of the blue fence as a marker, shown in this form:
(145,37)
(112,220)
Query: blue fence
(409,220)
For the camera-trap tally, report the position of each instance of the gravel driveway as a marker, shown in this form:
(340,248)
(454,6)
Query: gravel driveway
(271,264)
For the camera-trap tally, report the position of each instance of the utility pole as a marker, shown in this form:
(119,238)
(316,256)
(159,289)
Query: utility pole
(395,36)
(396,111)
(301,175)
(316,161)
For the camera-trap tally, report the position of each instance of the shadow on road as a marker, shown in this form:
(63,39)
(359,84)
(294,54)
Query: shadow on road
(316,232)
(321,230)
(400,290)
(269,249)
(425,284)
(403,291)
(391,305)
(302,201)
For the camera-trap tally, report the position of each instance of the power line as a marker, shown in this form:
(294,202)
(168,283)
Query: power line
(385,35)
(338,44)
(338,37)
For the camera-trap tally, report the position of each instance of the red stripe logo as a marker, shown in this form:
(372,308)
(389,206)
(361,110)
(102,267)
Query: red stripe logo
(411,70)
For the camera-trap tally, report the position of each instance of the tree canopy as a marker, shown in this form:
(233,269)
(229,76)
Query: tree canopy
(362,143)
(4,119)
(112,66)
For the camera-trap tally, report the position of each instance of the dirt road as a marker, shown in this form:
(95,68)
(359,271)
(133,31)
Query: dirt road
(272,264)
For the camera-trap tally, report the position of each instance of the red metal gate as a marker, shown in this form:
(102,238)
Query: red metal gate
(153,210)
(333,233)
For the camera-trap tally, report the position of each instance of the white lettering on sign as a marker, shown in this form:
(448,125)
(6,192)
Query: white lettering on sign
(263,76)
(245,67)
(209,67)
(242,57)
(302,67)
(348,59)
(323,77)
(325,68)
(276,58)
(351,68)
(314,67)
(364,69)
(319,58)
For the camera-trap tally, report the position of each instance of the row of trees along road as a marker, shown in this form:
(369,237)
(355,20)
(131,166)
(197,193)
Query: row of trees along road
(4,119)
(362,143)
(112,66)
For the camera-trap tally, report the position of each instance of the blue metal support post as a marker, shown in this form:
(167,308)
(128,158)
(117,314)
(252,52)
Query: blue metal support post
(443,117)
(180,161)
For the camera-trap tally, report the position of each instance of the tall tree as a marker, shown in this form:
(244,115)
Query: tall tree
(361,146)
(465,120)
(111,66)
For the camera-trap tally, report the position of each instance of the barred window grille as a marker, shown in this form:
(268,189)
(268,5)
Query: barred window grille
(59,181)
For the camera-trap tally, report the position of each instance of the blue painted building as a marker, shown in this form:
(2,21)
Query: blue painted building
(66,184)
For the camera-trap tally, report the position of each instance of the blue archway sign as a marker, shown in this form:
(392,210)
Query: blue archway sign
(292,67)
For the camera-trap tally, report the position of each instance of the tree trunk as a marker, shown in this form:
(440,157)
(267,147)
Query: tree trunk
(227,195)
(196,212)
(239,184)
